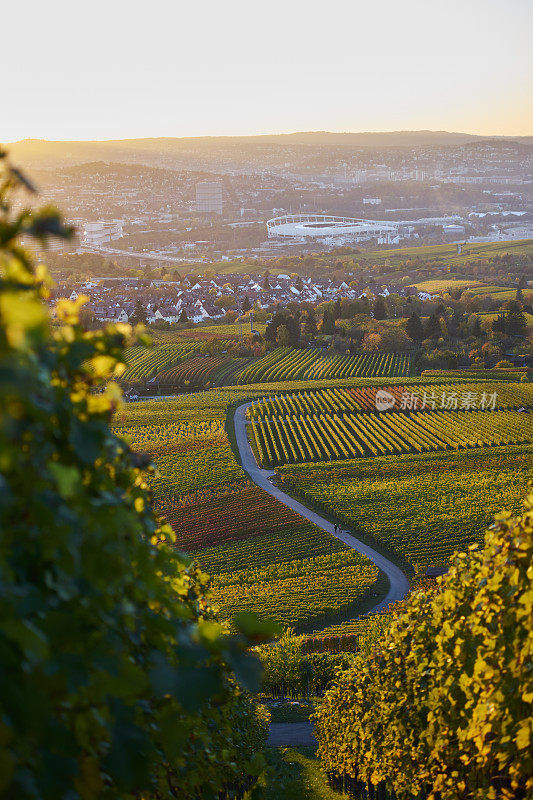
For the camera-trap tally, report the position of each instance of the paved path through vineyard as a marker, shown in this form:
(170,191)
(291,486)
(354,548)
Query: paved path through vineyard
(292,733)
(398,584)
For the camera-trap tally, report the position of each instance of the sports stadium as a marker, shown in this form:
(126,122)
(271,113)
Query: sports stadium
(322,226)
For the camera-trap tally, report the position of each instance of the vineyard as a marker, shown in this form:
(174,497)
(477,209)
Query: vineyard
(440,706)
(418,504)
(262,556)
(215,512)
(167,437)
(501,374)
(421,507)
(184,365)
(300,593)
(414,503)
(335,423)
(198,372)
(415,396)
(144,362)
(186,438)
(320,437)
(219,331)
(286,363)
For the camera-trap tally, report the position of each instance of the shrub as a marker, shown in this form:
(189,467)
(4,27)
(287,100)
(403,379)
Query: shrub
(442,707)
(115,678)
(291,672)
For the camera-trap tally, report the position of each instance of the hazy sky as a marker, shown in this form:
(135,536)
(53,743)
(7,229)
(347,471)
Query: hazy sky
(116,69)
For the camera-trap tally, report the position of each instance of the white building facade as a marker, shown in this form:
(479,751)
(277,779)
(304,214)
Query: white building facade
(97,233)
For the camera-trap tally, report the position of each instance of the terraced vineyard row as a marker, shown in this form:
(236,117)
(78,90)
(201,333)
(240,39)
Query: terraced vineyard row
(226,374)
(200,372)
(192,373)
(290,364)
(298,593)
(145,361)
(326,437)
(210,519)
(505,373)
(162,438)
(403,398)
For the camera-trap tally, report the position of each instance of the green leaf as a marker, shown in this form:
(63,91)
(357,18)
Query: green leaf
(247,669)
(256,628)
(130,755)
(68,478)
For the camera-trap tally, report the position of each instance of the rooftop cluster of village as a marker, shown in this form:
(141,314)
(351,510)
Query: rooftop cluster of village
(202,299)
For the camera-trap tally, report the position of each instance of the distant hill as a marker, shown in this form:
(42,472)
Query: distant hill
(42,152)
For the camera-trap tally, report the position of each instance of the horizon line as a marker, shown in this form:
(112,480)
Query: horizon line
(274,134)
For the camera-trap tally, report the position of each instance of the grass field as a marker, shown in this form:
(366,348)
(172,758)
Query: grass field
(443,285)
(494,315)
(499,293)
(445,252)
(483,289)
(448,252)
(203,331)
(294,773)
(299,711)
(475,288)
(220,331)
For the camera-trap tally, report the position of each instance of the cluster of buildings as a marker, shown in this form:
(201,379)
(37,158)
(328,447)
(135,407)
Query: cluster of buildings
(118,300)
(488,162)
(228,201)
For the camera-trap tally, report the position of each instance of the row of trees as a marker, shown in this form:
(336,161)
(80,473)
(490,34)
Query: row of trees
(447,329)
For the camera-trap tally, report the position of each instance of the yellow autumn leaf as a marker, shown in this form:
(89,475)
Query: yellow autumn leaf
(523,737)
